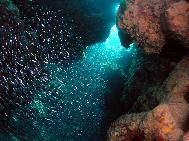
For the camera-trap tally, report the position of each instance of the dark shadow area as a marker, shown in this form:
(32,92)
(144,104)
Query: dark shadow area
(186,125)
(186,97)
(173,50)
(93,18)
(125,38)
(113,104)
(149,72)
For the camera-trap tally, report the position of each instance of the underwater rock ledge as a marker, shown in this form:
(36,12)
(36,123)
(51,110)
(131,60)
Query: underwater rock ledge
(156,91)
(166,122)
(151,23)
(157,88)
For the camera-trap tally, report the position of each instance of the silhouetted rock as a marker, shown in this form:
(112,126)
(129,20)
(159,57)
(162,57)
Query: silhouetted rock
(93,18)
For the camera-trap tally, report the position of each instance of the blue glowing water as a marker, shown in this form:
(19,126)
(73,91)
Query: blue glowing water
(113,41)
(72,107)
(80,88)
(117,7)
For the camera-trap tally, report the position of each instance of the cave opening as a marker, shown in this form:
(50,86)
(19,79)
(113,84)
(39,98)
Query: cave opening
(77,94)
(67,72)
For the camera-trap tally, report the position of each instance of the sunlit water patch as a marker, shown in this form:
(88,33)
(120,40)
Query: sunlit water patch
(113,41)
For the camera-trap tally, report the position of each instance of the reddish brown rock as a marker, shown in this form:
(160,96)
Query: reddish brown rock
(157,125)
(166,122)
(178,21)
(186,137)
(150,22)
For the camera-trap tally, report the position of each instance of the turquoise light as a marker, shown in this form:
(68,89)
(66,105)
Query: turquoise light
(113,40)
(131,47)
(117,7)
(71,104)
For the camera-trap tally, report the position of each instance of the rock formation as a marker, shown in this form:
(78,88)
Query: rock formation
(151,23)
(166,122)
(157,88)
(177,16)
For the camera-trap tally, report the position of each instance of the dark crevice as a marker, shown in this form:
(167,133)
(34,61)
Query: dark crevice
(186,97)
(173,50)
(186,125)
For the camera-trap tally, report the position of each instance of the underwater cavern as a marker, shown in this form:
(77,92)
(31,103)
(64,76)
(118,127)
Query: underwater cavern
(94,70)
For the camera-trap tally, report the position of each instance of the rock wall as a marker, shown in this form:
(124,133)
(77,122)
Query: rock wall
(166,122)
(151,24)
(156,90)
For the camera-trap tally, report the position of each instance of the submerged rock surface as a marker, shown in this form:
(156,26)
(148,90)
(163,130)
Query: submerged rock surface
(53,89)
(166,122)
(151,23)
(156,90)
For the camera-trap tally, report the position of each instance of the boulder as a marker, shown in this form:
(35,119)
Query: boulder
(151,23)
(166,122)
(177,16)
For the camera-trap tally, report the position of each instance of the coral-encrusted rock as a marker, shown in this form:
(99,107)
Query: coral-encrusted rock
(186,137)
(168,121)
(178,21)
(148,22)
(157,125)
(141,19)
(146,74)
(126,128)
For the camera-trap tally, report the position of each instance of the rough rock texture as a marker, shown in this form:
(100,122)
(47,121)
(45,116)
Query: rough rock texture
(150,23)
(178,21)
(145,74)
(157,87)
(186,137)
(166,122)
